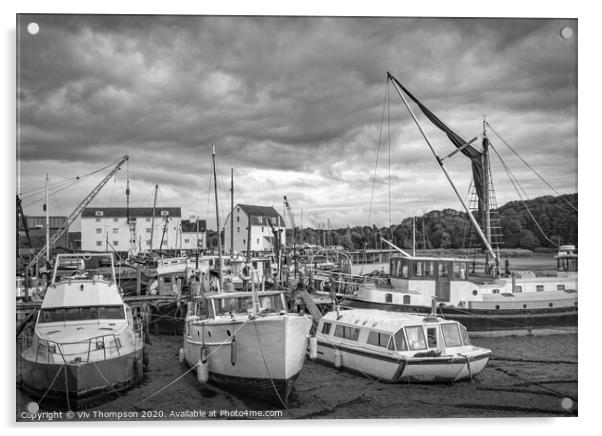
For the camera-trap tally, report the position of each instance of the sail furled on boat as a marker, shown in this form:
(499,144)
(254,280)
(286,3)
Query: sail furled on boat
(469,151)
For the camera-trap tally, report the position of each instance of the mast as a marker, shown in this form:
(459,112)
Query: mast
(46,207)
(413,236)
(153,218)
(440,161)
(219,241)
(231,213)
(486,219)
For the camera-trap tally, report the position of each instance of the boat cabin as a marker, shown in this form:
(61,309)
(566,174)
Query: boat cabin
(429,268)
(223,304)
(393,331)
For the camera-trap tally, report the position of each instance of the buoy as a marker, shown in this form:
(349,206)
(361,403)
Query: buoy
(202,372)
(181,355)
(338,359)
(233,351)
(313,347)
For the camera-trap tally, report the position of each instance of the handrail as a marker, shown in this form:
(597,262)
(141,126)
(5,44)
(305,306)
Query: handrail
(59,346)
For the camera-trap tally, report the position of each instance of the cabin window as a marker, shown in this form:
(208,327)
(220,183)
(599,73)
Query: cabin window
(458,270)
(81,313)
(443,272)
(388,298)
(451,335)
(406,299)
(416,338)
(417,269)
(495,291)
(342,331)
(464,334)
(378,339)
(518,289)
(326,328)
(431,337)
(98,243)
(539,288)
(429,269)
(404,269)
(97,220)
(400,341)
(560,287)
(115,243)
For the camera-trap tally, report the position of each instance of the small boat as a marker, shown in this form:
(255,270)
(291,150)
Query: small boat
(246,341)
(398,347)
(85,344)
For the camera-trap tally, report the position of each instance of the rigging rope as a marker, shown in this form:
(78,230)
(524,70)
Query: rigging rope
(515,183)
(529,166)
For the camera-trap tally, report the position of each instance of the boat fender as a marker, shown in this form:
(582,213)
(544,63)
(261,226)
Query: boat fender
(313,347)
(204,353)
(181,355)
(138,369)
(202,372)
(233,351)
(338,359)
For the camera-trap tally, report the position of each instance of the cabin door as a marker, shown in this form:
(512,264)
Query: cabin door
(442,290)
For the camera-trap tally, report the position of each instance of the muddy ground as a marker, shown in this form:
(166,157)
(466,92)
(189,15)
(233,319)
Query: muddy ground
(527,376)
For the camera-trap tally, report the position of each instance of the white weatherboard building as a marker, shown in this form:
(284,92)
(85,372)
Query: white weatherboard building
(261,232)
(193,235)
(108,228)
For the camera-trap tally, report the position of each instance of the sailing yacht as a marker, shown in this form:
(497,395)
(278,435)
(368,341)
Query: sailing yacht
(85,344)
(487,300)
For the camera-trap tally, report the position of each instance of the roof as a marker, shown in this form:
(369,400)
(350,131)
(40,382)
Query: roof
(71,294)
(35,221)
(189,226)
(260,212)
(377,319)
(116,212)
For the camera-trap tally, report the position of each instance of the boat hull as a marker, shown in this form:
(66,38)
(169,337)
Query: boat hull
(80,385)
(485,319)
(398,369)
(261,357)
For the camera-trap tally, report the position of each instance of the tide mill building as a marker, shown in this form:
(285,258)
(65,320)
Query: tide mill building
(264,221)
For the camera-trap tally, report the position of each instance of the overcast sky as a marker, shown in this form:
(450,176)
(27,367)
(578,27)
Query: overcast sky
(294,105)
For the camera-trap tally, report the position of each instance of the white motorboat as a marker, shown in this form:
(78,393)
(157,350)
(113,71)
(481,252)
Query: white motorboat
(398,347)
(85,343)
(246,341)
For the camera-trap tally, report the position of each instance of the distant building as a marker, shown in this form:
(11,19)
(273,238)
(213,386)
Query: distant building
(261,233)
(108,228)
(194,235)
(36,226)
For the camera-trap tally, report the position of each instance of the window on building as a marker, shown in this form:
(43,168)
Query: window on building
(560,287)
(258,241)
(148,243)
(518,288)
(97,220)
(148,230)
(99,243)
(148,220)
(115,243)
(388,297)
(244,241)
(539,288)
(115,230)
(98,230)
(186,241)
(238,230)
(115,220)
(262,229)
(237,219)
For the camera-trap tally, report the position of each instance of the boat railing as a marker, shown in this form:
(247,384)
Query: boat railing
(110,347)
(345,283)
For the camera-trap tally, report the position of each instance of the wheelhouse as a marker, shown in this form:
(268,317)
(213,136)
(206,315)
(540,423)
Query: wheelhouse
(425,268)
(234,303)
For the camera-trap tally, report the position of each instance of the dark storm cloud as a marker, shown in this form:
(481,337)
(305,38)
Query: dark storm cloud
(293,104)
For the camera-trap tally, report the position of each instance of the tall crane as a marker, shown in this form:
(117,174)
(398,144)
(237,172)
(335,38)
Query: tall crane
(291,218)
(77,211)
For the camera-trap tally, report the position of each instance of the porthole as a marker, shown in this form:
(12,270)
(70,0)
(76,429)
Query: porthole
(550,304)
(228,333)
(198,333)
(208,333)
(497,306)
(524,306)
(575,303)
(475,292)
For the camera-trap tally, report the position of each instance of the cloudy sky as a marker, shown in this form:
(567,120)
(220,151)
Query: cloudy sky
(294,105)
